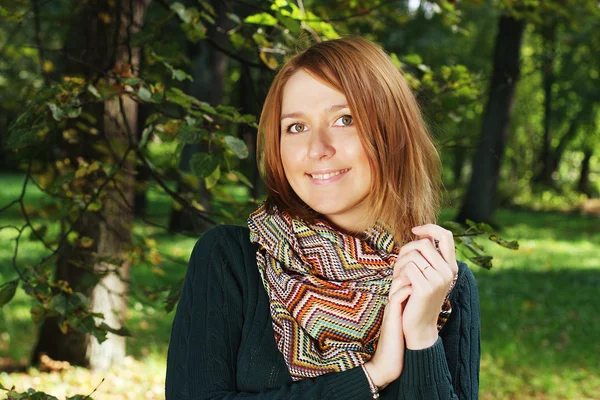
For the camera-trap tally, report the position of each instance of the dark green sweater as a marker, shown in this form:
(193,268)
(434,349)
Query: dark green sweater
(223,346)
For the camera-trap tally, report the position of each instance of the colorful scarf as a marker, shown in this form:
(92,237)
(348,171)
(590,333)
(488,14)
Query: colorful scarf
(327,290)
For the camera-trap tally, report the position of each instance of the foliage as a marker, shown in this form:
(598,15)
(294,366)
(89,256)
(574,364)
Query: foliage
(57,115)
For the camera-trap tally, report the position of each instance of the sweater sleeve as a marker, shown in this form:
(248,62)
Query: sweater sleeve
(426,374)
(207,331)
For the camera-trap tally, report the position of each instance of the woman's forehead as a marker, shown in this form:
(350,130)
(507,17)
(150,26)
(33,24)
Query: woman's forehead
(303,92)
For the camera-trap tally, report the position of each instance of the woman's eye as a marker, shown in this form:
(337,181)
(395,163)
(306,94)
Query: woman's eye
(296,128)
(345,120)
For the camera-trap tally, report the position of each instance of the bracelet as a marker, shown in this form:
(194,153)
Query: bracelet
(374,390)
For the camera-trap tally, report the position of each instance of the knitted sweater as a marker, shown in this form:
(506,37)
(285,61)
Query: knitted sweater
(222,343)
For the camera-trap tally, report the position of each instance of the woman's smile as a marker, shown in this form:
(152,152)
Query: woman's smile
(324,177)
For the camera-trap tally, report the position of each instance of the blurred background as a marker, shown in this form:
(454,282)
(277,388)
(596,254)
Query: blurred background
(128,128)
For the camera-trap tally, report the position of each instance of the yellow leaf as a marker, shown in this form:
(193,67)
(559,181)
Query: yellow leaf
(155,257)
(81,172)
(71,136)
(177,205)
(172,127)
(86,242)
(269,60)
(64,327)
(158,271)
(104,17)
(198,206)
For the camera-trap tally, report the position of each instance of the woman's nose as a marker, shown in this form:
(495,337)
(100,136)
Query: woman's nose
(320,144)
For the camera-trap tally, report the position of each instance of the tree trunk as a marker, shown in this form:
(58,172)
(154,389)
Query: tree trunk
(209,67)
(251,101)
(584,177)
(458,155)
(549,37)
(581,116)
(110,227)
(479,202)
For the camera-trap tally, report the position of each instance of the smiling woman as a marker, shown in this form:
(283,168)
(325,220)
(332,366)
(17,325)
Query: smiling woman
(342,286)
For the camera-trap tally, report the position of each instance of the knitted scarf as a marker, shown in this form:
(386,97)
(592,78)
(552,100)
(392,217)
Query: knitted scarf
(327,290)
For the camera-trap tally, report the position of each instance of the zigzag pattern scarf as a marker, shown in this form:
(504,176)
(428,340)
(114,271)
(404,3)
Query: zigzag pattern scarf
(327,290)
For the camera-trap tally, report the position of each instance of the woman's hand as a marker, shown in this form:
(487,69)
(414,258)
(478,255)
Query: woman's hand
(430,274)
(386,364)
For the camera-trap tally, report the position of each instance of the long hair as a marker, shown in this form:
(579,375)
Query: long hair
(405,163)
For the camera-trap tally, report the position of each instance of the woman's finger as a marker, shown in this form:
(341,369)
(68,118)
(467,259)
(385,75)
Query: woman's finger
(422,265)
(445,240)
(418,281)
(426,249)
(400,295)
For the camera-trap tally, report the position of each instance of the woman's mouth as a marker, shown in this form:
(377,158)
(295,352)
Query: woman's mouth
(328,177)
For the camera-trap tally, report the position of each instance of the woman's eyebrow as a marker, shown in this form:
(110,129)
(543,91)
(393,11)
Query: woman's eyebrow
(297,114)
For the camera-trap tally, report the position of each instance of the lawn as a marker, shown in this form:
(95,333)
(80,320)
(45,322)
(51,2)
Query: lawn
(539,325)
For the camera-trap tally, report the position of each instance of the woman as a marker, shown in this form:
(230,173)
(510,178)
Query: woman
(341,288)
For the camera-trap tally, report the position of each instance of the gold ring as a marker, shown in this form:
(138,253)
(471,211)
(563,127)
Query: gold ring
(436,244)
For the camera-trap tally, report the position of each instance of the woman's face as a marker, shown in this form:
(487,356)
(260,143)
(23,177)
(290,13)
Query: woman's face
(323,158)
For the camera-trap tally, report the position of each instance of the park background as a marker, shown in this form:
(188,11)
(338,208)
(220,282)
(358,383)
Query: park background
(128,128)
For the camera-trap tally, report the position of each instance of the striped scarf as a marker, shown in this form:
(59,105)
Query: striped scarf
(327,290)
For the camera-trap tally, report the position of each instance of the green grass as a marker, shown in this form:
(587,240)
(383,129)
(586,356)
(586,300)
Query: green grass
(540,326)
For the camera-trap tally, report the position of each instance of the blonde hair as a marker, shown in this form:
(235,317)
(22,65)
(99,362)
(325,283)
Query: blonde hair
(405,163)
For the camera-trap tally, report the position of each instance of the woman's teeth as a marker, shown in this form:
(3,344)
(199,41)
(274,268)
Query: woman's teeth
(327,176)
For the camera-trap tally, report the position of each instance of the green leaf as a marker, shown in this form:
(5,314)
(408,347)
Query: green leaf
(213,178)
(99,334)
(7,291)
(245,119)
(123,331)
(207,108)
(513,244)
(472,224)
(482,261)
(92,89)
(57,113)
(203,164)
(292,24)
(86,324)
(74,112)
(180,75)
(173,296)
(243,179)
(65,304)
(177,74)
(59,304)
(261,19)
(181,12)
(190,134)
(145,94)
(413,59)
(145,135)
(132,81)
(237,146)
(177,96)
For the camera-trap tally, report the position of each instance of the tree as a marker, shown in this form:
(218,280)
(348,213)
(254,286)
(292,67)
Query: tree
(108,230)
(79,144)
(479,201)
